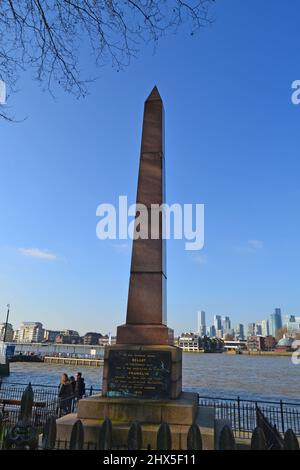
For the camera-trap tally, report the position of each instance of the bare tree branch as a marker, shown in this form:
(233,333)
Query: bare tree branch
(50,37)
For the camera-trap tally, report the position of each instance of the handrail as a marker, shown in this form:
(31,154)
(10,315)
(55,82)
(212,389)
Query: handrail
(41,385)
(201,397)
(279,402)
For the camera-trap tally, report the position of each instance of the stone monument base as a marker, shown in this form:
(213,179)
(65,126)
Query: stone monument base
(145,334)
(147,371)
(180,414)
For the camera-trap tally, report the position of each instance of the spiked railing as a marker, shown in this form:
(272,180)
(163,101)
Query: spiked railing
(24,433)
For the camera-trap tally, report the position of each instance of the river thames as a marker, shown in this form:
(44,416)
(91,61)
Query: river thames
(213,375)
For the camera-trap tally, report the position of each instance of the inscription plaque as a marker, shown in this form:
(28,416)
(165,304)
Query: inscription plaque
(139,374)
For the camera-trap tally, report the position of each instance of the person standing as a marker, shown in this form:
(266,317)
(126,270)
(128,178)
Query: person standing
(79,386)
(65,394)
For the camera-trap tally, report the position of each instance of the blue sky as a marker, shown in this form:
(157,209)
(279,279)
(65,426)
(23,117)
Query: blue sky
(232,143)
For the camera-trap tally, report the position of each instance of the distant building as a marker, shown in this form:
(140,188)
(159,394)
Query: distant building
(293,326)
(226,326)
(217,322)
(189,342)
(30,332)
(219,334)
(92,338)
(255,343)
(276,321)
(107,340)
(235,346)
(201,323)
(68,337)
(212,332)
(291,318)
(284,344)
(239,331)
(9,332)
(50,335)
(16,336)
(69,332)
(258,329)
(251,329)
(265,329)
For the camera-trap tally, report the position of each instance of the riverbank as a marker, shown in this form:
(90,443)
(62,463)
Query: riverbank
(211,375)
(244,353)
(262,353)
(93,362)
(73,361)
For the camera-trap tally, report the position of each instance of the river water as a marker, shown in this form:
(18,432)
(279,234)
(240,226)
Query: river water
(213,375)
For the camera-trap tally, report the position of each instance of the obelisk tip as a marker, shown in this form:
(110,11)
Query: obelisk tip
(154,95)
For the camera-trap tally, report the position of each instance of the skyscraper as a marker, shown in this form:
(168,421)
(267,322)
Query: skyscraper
(212,331)
(251,329)
(276,321)
(226,325)
(201,323)
(265,329)
(217,322)
(258,329)
(239,331)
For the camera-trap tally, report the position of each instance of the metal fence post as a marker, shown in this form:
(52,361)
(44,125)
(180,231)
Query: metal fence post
(282,417)
(239,413)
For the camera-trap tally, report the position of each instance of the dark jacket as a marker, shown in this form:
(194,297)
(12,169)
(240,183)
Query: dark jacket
(79,388)
(65,390)
(65,394)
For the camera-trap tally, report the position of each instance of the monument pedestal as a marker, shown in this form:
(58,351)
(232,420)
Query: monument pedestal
(140,383)
(180,414)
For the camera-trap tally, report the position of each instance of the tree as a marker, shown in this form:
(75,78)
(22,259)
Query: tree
(229,337)
(270,343)
(49,36)
(280,333)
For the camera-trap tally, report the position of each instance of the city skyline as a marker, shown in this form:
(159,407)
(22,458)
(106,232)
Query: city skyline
(220,325)
(203,326)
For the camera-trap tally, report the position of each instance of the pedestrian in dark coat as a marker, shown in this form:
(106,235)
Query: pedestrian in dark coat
(65,394)
(79,386)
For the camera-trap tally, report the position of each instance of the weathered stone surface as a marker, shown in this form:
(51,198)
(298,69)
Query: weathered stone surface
(145,335)
(127,410)
(142,285)
(147,292)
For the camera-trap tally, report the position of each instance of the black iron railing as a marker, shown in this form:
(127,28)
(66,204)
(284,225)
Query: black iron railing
(242,413)
(46,402)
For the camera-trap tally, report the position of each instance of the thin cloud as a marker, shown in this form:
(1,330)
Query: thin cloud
(121,247)
(256,244)
(38,253)
(252,246)
(200,259)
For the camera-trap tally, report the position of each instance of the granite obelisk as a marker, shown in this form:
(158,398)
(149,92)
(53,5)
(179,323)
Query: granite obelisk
(142,372)
(144,363)
(146,308)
